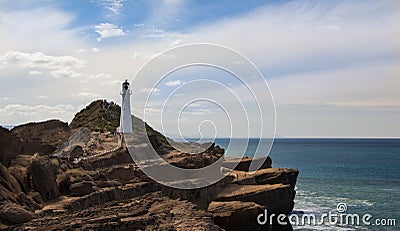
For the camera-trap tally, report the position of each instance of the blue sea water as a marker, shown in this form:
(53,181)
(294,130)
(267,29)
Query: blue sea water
(363,173)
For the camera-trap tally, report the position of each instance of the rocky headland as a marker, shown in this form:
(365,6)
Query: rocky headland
(55,176)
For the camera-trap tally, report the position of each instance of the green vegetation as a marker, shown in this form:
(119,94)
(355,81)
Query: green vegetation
(102,116)
(98,116)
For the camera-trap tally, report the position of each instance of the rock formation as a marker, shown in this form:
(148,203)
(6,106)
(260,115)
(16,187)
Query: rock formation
(43,187)
(9,146)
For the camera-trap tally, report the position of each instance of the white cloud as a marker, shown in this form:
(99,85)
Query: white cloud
(88,94)
(108,30)
(173,83)
(65,73)
(152,110)
(111,82)
(43,29)
(113,6)
(37,111)
(42,97)
(35,72)
(59,66)
(39,60)
(21,113)
(162,34)
(95,49)
(150,90)
(200,111)
(101,76)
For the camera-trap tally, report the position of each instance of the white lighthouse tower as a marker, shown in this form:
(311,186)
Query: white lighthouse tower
(125,123)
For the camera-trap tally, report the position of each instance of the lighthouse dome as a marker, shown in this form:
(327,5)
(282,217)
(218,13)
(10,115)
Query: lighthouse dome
(125,85)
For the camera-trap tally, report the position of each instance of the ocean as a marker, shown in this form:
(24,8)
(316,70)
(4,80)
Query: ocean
(362,173)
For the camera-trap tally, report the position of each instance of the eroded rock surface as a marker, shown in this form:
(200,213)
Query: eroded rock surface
(43,187)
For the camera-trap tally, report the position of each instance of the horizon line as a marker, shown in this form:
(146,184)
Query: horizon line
(304,137)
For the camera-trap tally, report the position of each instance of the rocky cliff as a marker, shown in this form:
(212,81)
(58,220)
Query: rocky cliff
(42,186)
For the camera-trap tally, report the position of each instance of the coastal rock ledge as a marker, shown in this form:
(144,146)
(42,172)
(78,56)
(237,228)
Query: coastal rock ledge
(55,176)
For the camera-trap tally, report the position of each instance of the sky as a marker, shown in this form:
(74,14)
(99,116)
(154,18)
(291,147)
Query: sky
(332,66)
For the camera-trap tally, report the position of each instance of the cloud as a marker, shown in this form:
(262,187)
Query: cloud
(39,60)
(152,110)
(59,66)
(88,94)
(65,73)
(35,72)
(45,29)
(114,7)
(200,111)
(111,82)
(162,34)
(150,90)
(108,30)
(36,112)
(173,83)
(42,97)
(101,76)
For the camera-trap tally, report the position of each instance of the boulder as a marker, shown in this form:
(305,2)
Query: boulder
(5,193)
(44,174)
(76,152)
(28,202)
(276,197)
(8,180)
(9,146)
(14,214)
(122,173)
(81,188)
(243,164)
(19,168)
(268,176)
(237,215)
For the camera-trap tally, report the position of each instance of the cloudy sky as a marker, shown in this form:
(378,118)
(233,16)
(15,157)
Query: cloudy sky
(333,67)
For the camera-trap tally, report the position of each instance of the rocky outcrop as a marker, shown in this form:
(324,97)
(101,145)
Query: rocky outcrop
(19,168)
(98,116)
(237,215)
(268,176)
(14,214)
(9,146)
(243,164)
(150,211)
(42,137)
(269,189)
(81,188)
(277,197)
(44,175)
(108,191)
(193,161)
(8,180)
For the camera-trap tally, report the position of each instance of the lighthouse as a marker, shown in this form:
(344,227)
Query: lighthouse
(125,123)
